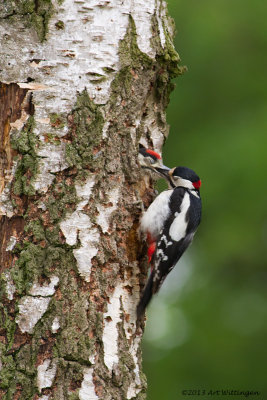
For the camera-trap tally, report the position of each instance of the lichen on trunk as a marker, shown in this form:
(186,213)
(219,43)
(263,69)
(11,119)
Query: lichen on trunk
(72,264)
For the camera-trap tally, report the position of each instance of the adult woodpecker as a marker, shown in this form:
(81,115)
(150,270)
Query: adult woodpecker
(170,222)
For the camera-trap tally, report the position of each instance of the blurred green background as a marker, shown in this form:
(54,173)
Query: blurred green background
(207,328)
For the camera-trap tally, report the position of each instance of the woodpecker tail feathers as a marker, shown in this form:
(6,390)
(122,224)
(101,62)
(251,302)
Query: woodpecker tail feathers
(146,297)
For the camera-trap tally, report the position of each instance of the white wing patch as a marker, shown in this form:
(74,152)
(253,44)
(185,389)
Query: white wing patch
(179,225)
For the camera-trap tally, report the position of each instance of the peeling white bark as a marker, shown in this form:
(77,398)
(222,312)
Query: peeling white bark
(75,224)
(92,358)
(110,333)
(129,303)
(106,211)
(11,244)
(89,248)
(31,309)
(6,207)
(120,302)
(161,15)
(45,290)
(55,325)
(78,221)
(78,226)
(142,14)
(87,391)
(134,387)
(10,287)
(45,374)
(132,391)
(52,159)
(152,128)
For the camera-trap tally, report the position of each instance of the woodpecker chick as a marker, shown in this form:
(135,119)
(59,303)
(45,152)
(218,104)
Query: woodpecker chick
(151,160)
(170,222)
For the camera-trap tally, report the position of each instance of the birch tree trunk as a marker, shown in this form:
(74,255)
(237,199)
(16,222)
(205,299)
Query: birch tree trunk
(82,83)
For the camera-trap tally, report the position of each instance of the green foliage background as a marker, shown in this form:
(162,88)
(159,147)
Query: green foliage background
(207,329)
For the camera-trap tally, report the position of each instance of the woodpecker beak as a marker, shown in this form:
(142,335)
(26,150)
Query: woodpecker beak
(163,170)
(167,174)
(171,172)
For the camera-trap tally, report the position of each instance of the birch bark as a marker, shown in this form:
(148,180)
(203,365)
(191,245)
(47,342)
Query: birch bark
(82,83)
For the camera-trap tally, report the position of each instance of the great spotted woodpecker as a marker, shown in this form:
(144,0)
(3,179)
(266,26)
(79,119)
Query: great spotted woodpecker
(170,223)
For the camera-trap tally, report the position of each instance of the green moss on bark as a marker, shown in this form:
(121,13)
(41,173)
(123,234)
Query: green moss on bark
(168,59)
(60,25)
(8,368)
(61,201)
(131,60)
(86,124)
(35,13)
(16,374)
(26,144)
(57,121)
(28,267)
(157,72)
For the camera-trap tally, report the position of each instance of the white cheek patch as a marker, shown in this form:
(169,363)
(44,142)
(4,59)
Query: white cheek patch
(179,225)
(184,183)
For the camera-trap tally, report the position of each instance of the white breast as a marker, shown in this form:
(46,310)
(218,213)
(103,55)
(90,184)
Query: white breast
(156,214)
(179,225)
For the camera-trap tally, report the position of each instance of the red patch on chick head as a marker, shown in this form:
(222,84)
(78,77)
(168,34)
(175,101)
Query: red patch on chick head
(153,153)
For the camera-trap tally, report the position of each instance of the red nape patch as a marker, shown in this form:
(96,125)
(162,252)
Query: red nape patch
(151,251)
(153,153)
(197,184)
